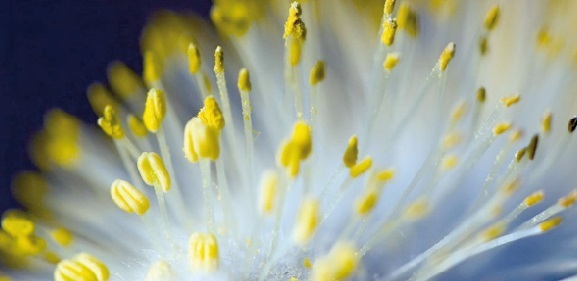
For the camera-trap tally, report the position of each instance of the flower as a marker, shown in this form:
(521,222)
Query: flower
(332,160)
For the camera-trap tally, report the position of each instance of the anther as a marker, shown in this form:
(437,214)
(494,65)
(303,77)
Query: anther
(110,123)
(307,221)
(194,60)
(152,170)
(154,110)
(203,252)
(128,198)
(447,55)
(317,73)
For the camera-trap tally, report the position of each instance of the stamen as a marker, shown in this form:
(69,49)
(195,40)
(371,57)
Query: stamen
(128,198)
(407,20)
(572,124)
(391,61)
(510,100)
(123,81)
(307,221)
(446,56)
(153,172)
(389,29)
(194,60)
(203,252)
(99,97)
(244,87)
(339,264)
(136,126)
(110,123)
(501,128)
(492,18)
(351,153)
(268,192)
(81,267)
(159,271)
(361,167)
(154,110)
(152,69)
(62,236)
(389,7)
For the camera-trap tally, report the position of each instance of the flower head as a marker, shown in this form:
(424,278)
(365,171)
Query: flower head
(436,144)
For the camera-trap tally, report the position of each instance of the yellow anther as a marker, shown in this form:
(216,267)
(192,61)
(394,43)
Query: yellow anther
(298,148)
(123,81)
(361,167)
(407,20)
(30,245)
(200,141)
(532,147)
(5,277)
(447,55)
(352,153)
(152,69)
(70,270)
(302,138)
(391,61)
(550,224)
(481,95)
(99,97)
(30,188)
(389,30)
(128,198)
(136,126)
(194,60)
(458,112)
(534,198)
(568,200)
(318,73)
(307,221)
(57,143)
(546,123)
(367,202)
(492,18)
(154,109)
(218,60)
(516,135)
(18,226)
(159,271)
(386,175)
(451,140)
(152,170)
(243,83)
(493,231)
(234,17)
(307,263)
(510,100)
(211,115)
(339,264)
(294,26)
(501,128)
(511,186)
(483,46)
(519,155)
(449,162)
(62,236)
(50,257)
(203,252)
(295,51)
(97,267)
(268,192)
(417,210)
(389,7)
(110,123)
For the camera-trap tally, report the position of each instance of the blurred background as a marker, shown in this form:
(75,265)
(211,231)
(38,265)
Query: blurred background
(50,50)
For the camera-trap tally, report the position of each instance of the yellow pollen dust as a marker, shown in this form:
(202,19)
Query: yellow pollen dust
(307,221)
(203,252)
(268,192)
(351,153)
(534,198)
(82,267)
(407,20)
(339,264)
(550,224)
(152,171)
(154,110)
(317,73)
(244,83)
(367,202)
(194,60)
(62,236)
(389,7)
(218,60)
(110,123)
(361,167)
(294,26)
(501,128)
(152,69)
(200,141)
(58,142)
(492,18)
(389,30)
(123,81)
(297,149)
(546,123)
(510,100)
(128,198)
(447,55)
(386,175)
(211,115)
(391,61)
(449,162)
(99,97)
(136,126)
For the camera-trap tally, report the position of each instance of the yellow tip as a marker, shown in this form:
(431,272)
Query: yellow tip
(203,252)
(152,171)
(136,126)
(492,18)
(550,224)
(18,226)
(516,135)
(317,73)
(546,123)
(339,264)
(307,221)
(99,97)
(501,128)
(389,7)
(493,231)
(568,200)
(200,141)
(417,210)
(62,236)
(154,110)
(534,198)
(391,61)
(218,60)
(407,20)
(520,153)
(128,198)
(211,115)
(447,55)
(532,147)
(307,263)
(483,46)
(294,26)
(459,111)
(152,69)
(449,162)
(351,153)
(243,83)
(481,95)
(81,267)
(194,60)
(367,202)
(361,167)
(110,123)
(123,80)
(389,30)
(386,175)
(268,192)
(297,149)
(510,100)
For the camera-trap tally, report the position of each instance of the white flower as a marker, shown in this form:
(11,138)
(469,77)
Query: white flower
(341,155)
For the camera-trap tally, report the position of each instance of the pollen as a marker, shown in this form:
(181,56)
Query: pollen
(154,110)
(386,175)
(211,115)
(200,141)
(294,26)
(110,123)
(243,83)
(510,100)
(81,267)
(534,198)
(339,264)
(317,73)
(447,55)
(152,171)
(203,252)
(389,30)
(218,60)
(194,60)
(501,128)
(128,198)
(268,192)
(546,122)
(136,126)
(391,61)
(152,69)
(550,224)
(449,162)
(365,204)
(18,226)
(568,200)
(307,221)
(389,7)
(351,153)
(62,236)
(361,167)
(492,18)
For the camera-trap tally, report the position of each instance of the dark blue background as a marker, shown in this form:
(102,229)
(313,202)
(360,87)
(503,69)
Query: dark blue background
(50,50)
